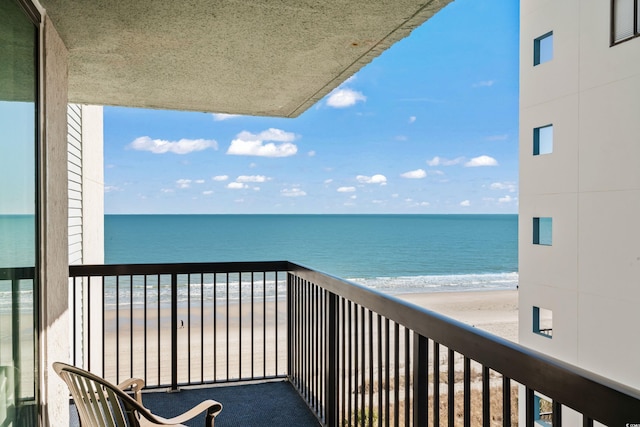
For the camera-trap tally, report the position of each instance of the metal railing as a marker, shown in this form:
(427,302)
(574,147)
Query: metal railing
(180,324)
(356,356)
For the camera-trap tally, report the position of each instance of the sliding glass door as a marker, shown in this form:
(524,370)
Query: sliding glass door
(18,216)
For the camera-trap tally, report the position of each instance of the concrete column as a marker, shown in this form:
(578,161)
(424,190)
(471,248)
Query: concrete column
(54,268)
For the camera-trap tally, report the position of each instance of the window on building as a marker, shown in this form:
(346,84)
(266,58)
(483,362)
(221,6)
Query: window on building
(543,322)
(542,231)
(543,49)
(543,140)
(625,20)
(543,411)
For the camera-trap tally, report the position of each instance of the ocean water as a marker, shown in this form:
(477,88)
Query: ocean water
(391,253)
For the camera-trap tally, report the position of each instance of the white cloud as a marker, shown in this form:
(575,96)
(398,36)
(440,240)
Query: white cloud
(506,199)
(220,177)
(292,192)
(346,189)
(412,119)
(249,144)
(342,98)
(183,183)
(199,181)
(465,203)
(509,186)
(252,178)
(207,193)
(441,161)
(375,179)
(218,117)
(311,153)
(161,146)
(481,161)
(401,138)
(237,186)
(328,181)
(484,83)
(395,195)
(353,197)
(416,174)
(111,188)
(424,203)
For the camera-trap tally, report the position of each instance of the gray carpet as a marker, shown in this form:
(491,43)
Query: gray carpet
(264,404)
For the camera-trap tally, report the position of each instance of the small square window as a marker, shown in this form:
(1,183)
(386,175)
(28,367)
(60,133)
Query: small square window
(624,25)
(543,49)
(543,322)
(542,231)
(543,140)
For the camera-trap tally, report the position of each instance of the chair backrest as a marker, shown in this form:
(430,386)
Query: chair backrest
(99,403)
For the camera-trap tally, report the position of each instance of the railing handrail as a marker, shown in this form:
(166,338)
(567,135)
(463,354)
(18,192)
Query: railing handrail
(17,273)
(175,268)
(608,401)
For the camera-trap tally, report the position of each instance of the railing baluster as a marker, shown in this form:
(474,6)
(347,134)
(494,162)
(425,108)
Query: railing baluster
(407,378)
(436,383)
(586,421)
(331,398)
(529,408)
(363,366)
(239,324)
(215,327)
(117,329)
(174,332)
(356,365)
(159,347)
(451,380)
(420,380)
(15,292)
(557,414)
(486,396)
(467,392)
(145,328)
(350,349)
(188,328)
(396,374)
(264,323)
(130,326)
(343,381)
(88,334)
(252,327)
(506,401)
(227,325)
(202,327)
(370,415)
(386,373)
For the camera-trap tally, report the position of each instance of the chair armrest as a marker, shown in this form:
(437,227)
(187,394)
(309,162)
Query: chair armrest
(212,407)
(136,384)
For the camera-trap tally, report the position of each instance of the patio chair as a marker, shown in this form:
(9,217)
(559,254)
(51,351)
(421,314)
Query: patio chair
(100,403)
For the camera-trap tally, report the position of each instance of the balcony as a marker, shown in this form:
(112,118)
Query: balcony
(352,355)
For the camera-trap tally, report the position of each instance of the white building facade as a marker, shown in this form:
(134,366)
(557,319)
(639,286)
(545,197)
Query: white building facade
(579,232)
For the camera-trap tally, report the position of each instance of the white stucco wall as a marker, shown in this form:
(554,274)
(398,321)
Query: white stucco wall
(589,185)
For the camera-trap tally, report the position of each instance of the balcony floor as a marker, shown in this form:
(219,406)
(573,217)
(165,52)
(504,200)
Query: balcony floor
(269,403)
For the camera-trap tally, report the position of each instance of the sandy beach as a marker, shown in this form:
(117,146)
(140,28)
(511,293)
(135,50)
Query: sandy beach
(233,343)
(493,311)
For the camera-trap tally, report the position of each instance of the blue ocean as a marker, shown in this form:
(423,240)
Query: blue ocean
(391,253)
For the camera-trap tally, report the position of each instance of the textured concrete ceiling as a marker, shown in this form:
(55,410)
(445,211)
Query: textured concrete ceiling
(256,57)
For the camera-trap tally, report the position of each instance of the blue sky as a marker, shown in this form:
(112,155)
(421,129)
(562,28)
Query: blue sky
(430,126)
